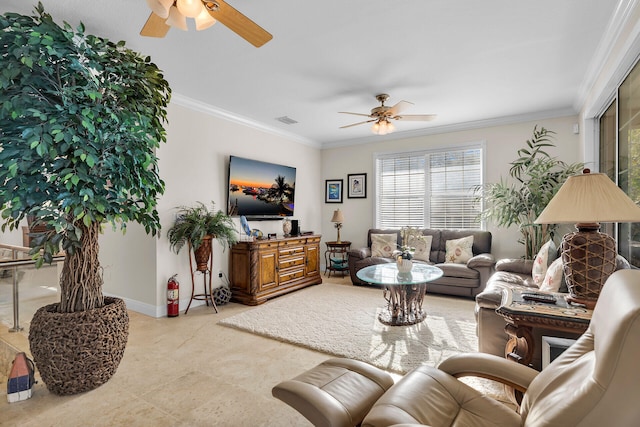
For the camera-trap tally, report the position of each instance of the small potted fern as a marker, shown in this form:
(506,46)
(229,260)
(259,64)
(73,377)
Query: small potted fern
(196,226)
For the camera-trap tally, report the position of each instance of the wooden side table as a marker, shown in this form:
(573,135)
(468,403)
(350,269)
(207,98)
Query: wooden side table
(522,316)
(336,257)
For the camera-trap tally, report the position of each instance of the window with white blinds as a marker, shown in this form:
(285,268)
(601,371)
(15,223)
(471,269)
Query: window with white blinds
(429,189)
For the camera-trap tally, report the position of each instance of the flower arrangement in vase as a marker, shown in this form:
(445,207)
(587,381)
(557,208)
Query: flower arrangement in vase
(404,258)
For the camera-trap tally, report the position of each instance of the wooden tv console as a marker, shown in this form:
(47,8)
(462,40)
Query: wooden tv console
(264,269)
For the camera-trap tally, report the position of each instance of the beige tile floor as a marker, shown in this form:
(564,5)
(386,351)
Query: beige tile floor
(183,371)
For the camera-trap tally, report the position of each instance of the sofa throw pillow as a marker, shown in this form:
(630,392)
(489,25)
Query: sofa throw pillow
(459,251)
(554,277)
(422,245)
(547,254)
(383,245)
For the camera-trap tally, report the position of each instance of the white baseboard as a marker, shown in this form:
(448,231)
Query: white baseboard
(153,310)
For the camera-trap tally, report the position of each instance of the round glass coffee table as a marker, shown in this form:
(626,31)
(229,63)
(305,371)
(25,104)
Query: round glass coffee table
(404,292)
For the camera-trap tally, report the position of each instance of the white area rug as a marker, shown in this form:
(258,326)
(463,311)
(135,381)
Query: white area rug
(342,320)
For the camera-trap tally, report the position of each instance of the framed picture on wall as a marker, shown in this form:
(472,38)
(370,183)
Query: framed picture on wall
(357,186)
(333,191)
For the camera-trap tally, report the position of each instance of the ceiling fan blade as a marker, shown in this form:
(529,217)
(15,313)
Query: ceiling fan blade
(400,106)
(356,124)
(238,23)
(355,114)
(416,117)
(155,27)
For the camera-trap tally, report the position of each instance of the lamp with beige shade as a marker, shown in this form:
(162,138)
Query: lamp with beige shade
(338,219)
(589,257)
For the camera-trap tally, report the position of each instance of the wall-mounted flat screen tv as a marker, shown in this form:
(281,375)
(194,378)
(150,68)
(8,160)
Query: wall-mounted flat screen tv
(260,190)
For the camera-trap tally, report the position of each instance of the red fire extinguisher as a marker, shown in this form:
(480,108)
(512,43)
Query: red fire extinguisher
(173,296)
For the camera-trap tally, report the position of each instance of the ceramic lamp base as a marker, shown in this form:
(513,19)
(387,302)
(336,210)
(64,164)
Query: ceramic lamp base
(589,258)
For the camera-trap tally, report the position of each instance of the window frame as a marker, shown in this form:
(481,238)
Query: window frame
(481,145)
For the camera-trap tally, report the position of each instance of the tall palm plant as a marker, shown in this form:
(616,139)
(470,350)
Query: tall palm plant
(535,179)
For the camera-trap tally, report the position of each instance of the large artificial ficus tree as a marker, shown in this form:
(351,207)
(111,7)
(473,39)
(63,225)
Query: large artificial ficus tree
(80,120)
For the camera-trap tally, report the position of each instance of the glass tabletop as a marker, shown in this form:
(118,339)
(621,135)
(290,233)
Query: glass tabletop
(388,274)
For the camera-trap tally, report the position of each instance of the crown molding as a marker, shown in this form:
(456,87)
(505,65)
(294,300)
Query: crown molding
(477,124)
(211,110)
(458,127)
(621,18)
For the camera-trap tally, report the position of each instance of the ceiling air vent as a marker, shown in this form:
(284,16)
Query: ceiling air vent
(286,120)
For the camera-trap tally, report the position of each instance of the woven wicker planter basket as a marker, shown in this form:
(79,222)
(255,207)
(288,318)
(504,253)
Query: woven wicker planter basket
(203,253)
(77,352)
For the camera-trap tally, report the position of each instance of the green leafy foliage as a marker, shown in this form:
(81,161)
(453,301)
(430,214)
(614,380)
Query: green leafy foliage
(535,178)
(80,120)
(193,223)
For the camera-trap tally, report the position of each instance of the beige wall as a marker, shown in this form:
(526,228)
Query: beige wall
(129,264)
(12,237)
(194,164)
(501,144)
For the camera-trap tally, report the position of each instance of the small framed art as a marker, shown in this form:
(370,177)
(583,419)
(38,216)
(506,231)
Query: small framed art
(333,191)
(357,186)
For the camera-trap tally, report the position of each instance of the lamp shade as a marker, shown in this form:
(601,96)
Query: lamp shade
(337,216)
(176,19)
(588,256)
(382,127)
(204,20)
(160,7)
(589,198)
(189,8)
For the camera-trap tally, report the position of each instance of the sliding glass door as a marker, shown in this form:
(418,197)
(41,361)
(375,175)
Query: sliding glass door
(620,155)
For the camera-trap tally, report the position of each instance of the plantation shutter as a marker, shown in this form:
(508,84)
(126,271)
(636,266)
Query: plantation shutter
(429,189)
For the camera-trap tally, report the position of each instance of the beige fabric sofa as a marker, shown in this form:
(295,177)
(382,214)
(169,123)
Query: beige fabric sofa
(459,279)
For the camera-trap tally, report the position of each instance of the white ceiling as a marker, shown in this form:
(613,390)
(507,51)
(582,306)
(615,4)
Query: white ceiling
(465,60)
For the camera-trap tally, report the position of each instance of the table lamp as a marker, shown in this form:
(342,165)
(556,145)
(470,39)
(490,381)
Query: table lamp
(588,256)
(338,218)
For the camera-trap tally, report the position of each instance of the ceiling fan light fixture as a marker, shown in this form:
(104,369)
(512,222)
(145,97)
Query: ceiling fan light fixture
(173,13)
(160,7)
(190,8)
(177,19)
(390,127)
(382,127)
(375,128)
(383,116)
(204,20)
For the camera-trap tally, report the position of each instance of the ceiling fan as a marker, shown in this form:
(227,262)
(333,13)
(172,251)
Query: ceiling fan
(383,115)
(174,13)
